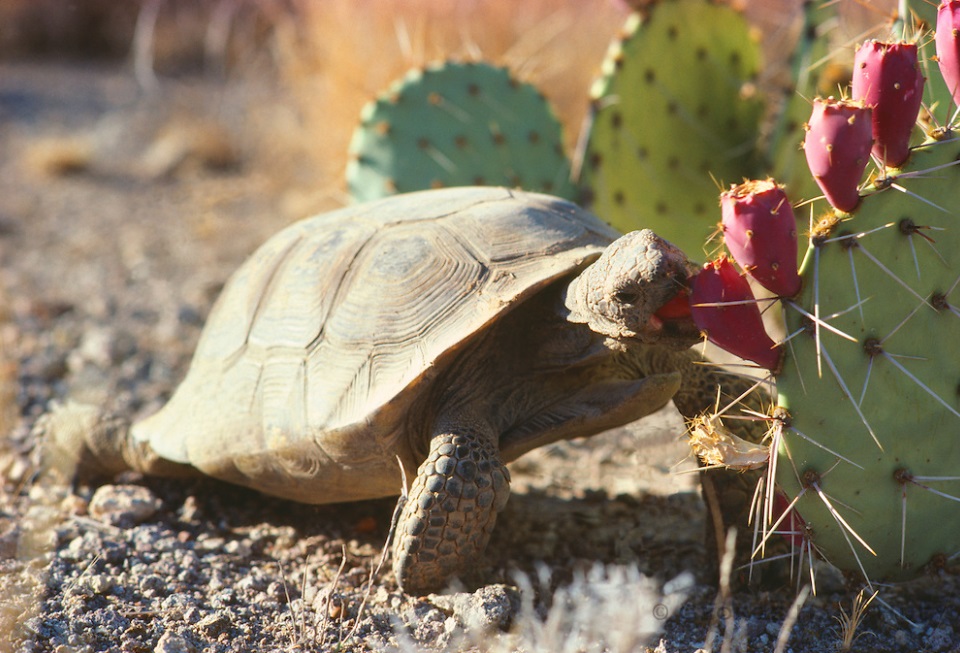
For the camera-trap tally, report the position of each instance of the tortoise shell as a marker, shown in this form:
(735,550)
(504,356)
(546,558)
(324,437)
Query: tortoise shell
(305,378)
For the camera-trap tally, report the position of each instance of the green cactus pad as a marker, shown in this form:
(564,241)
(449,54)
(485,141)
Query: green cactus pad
(889,401)
(457,124)
(674,114)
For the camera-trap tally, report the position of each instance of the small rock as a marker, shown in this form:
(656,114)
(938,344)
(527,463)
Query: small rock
(98,583)
(153,585)
(176,605)
(95,347)
(214,625)
(124,504)
(208,543)
(238,548)
(170,643)
(224,598)
(191,511)
(15,468)
(189,315)
(489,608)
(251,583)
(939,638)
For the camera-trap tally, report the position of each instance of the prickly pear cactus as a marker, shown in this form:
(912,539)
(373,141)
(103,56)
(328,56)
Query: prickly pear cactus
(457,124)
(676,111)
(871,383)
(865,433)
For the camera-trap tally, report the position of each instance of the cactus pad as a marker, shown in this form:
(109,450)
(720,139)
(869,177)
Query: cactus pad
(872,441)
(457,124)
(675,105)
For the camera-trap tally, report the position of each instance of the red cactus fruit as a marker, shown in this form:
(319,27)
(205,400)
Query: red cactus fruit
(887,78)
(792,527)
(760,231)
(676,308)
(724,309)
(837,146)
(948,45)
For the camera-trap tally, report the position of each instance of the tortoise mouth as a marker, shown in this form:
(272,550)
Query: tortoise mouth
(673,321)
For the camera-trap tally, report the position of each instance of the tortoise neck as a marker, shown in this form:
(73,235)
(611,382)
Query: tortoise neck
(574,300)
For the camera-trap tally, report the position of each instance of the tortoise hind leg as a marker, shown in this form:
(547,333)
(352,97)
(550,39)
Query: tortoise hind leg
(450,510)
(83,439)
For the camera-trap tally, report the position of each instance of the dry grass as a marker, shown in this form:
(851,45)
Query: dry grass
(9,411)
(58,156)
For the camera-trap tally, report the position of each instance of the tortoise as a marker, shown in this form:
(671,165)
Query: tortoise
(434,336)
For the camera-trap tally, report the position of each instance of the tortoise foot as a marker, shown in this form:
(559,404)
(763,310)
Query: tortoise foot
(450,511)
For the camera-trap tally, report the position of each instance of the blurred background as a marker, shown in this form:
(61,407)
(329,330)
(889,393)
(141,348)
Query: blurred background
(331,56)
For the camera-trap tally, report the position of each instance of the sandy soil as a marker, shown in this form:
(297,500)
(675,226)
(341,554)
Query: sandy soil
(121,215)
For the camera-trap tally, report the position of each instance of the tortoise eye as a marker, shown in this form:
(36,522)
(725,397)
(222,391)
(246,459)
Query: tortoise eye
(626,296)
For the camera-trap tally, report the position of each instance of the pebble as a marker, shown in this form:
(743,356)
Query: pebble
(98,583)
(153,585)
(489,608)
(238,548)
(214,625)
(124,505)
(170,643)
(939,638)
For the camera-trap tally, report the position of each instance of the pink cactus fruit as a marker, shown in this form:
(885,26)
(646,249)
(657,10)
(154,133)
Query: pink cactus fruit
(887,78)
(837,146)
(948,45)
(724,309)
(760,231)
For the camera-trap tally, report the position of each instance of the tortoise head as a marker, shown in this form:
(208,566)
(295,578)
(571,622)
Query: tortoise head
(636,291)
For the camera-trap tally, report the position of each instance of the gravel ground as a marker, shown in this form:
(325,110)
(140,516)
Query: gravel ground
(121,215)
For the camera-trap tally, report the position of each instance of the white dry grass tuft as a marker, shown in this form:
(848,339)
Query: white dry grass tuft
(613,609)
(607,609)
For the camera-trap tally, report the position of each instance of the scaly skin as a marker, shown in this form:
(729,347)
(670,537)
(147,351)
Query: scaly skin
(450,511)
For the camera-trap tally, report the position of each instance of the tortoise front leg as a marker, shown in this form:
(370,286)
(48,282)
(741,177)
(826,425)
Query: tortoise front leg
(450,510)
